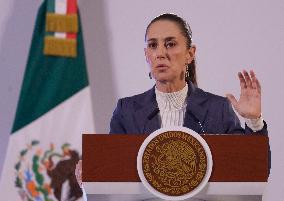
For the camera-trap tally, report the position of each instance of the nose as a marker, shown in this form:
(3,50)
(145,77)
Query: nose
(161,52)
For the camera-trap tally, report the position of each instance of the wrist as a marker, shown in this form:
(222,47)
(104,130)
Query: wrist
(255,124)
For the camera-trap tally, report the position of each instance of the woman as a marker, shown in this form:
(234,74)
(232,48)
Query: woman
(175,100)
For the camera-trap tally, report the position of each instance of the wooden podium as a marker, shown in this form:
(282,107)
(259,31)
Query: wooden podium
(240,167)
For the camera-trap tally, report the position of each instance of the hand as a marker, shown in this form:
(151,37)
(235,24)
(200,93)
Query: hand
(249,104)
(78,173)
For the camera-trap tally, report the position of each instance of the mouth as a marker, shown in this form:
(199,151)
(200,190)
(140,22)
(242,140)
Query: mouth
(162,66)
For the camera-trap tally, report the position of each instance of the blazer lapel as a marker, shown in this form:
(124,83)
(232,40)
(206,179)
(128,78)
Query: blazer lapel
(195,113)
(147,119)
(146,116)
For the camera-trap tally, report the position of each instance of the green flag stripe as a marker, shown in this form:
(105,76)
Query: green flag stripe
(48,80)
(50,6)
(49,33)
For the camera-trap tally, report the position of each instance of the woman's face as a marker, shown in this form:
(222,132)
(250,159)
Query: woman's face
(166,52)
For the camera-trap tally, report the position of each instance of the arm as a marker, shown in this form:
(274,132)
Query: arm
(263,129)
(232,123)
(249,103)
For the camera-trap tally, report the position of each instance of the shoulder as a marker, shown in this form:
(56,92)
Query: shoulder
(128,105)
(138,98)
(208,97)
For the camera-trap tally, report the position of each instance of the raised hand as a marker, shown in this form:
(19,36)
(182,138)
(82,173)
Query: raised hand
(249,104)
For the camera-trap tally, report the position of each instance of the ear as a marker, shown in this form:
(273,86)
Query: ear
(191,53)
(146,55)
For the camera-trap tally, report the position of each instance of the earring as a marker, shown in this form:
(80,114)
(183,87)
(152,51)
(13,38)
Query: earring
(150,75)
(186,72)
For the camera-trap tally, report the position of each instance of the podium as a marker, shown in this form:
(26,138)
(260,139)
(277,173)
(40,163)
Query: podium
(240,167)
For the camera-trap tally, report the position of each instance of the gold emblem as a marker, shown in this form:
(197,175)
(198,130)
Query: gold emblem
(174,163)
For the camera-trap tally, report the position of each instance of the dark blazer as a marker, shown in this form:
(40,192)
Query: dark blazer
(205,113)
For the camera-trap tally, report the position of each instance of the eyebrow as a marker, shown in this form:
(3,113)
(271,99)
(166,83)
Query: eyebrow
(166,39)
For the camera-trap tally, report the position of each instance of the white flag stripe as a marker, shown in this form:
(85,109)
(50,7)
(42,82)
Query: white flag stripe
(60,35)
(60,8)
(63,124)
(64,117)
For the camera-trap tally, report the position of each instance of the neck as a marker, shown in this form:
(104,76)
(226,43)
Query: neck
(169,87)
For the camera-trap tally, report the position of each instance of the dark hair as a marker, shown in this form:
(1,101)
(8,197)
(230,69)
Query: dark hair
(186,32)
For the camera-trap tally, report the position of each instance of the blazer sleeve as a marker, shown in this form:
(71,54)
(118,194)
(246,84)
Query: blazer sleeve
(232,123)
(116,123)
(262,131)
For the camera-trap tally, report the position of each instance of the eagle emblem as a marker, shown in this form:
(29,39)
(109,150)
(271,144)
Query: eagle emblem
(47,175)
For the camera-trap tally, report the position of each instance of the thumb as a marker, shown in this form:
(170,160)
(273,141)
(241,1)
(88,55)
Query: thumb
(232,100)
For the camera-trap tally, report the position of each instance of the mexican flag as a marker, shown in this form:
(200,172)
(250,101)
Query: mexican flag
(53,110)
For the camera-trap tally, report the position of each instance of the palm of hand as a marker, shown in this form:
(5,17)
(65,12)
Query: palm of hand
(249,104)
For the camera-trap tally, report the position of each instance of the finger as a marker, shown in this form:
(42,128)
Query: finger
(233,101)
(254,80)
(247,79)
(242,80)
(258,86)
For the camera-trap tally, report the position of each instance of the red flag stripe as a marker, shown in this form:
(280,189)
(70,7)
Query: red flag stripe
(71,9)
(71,6)
(71,35)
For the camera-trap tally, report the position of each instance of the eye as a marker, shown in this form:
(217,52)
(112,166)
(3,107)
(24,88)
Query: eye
(170,44)
(152,45)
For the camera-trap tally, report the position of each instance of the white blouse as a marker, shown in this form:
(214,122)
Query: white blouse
(172,108)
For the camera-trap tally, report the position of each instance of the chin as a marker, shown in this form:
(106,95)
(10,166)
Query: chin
(163,78)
